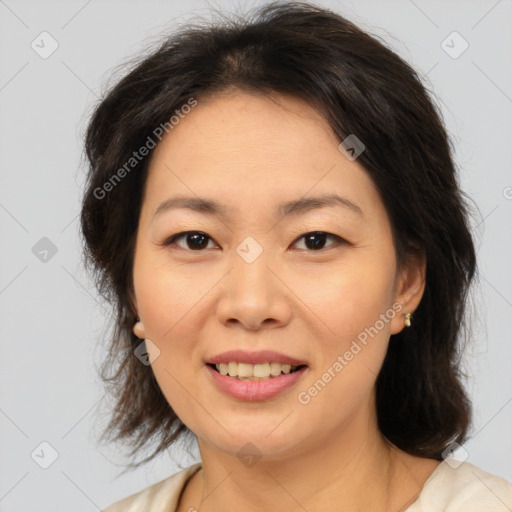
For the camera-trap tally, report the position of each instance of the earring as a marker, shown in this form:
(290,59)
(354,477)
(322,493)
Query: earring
(138,329)
(407,320)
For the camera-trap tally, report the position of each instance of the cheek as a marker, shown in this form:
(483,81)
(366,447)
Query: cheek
(171,300)
(349,297)
(167,302)
(169,295)
(356,305)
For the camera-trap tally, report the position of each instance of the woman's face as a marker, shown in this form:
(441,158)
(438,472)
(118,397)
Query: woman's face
(251,281)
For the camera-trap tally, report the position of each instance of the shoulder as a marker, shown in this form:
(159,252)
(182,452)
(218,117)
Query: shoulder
(160,497)
(457,486)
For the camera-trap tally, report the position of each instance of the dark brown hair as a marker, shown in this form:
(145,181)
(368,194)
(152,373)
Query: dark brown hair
(361,87)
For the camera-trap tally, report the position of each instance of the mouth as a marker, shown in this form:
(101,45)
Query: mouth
(255,382)
(255,372)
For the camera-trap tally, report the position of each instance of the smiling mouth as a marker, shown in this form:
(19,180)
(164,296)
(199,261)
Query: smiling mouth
(254,372)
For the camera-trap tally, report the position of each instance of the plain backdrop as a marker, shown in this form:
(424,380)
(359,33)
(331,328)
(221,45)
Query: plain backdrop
(52,321)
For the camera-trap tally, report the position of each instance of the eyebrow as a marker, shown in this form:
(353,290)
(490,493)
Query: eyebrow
(295,207)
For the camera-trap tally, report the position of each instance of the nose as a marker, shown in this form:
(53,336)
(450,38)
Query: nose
(253,295)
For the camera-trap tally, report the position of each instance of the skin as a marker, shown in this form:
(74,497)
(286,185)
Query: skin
(251,152)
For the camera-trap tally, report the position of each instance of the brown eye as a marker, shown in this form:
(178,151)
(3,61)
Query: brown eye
(315,241)
(194,240)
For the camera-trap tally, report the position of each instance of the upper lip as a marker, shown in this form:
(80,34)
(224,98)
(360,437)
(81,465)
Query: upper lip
(256,357)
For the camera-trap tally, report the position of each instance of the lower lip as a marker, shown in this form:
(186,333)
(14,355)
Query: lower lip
(255,390)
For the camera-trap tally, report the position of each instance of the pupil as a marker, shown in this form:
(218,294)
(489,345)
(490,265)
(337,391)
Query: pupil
(196,244)
(315,245)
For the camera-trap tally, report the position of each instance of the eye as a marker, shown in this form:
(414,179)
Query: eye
(316,240)
(197,240)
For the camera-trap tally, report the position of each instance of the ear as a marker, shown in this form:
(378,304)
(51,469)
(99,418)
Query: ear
(409,287)
(138,327)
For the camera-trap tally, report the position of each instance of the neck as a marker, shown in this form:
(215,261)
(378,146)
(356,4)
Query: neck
(358,469)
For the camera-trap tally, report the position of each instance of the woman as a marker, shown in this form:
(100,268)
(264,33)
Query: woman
(273,208)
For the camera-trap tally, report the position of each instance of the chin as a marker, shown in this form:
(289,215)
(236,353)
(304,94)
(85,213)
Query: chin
(258,439)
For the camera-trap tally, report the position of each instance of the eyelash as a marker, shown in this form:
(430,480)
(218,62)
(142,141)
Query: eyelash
(171,240)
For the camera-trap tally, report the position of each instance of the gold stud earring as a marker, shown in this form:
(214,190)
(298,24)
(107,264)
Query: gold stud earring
(407,320)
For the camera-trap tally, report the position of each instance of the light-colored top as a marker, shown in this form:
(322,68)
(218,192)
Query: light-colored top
(452,487)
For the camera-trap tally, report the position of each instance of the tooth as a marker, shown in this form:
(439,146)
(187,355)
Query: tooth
(286,368)
(275,369)
(232,369)
(244,370)
(261,370)
(248,371)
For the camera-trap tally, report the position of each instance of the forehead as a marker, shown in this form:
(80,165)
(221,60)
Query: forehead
(251,148)
(255,125)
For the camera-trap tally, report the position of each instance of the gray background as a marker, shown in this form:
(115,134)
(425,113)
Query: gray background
(52,322)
